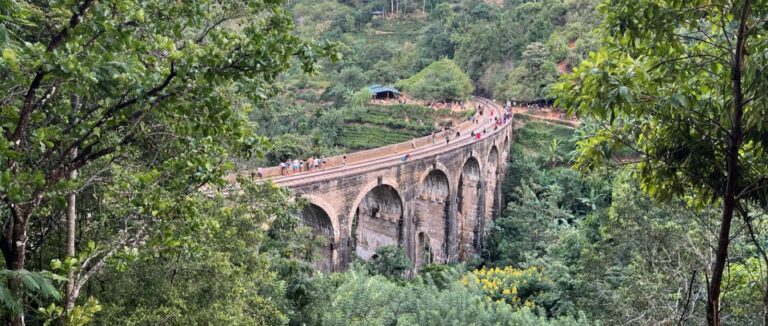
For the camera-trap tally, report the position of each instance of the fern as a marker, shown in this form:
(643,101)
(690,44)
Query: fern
(9,301)
(37,285)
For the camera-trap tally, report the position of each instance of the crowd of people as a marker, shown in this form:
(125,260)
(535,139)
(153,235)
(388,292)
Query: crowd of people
(297,166)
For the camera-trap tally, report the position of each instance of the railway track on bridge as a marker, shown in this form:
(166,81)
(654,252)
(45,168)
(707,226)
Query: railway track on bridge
(398,151)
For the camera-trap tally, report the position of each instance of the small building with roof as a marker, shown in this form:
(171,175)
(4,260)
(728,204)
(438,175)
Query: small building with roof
(379,92)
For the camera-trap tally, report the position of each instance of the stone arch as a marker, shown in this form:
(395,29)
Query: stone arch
(377,220)
(329,209)
(435,166)
(470,201)
(432,208)
(318,219)
(492,182)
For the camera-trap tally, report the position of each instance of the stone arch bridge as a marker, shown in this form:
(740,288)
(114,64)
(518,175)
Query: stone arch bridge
(434,205)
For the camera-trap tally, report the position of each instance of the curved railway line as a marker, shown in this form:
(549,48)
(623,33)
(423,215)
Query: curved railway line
(367,160)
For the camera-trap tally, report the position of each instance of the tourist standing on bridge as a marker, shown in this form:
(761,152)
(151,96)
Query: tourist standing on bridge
(296,166)
(413,142)
(260,172)
(282,168)
(344,160)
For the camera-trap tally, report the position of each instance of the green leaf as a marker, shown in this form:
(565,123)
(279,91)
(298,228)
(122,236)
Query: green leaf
(9,55)
(624,91)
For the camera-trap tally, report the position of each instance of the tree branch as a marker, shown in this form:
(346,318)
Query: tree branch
(29,99)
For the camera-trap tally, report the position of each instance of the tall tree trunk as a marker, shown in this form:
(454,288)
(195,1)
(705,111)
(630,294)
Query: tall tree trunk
(71,223)
(14,245)
(729,197)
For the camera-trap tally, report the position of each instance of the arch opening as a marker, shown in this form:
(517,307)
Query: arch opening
(316,218)
(378,221)
(432,207)
(470,202)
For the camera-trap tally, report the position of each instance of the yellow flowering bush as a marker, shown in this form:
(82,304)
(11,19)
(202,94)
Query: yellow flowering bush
(517,287)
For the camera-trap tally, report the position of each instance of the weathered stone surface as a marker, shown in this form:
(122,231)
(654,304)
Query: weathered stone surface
(435,206)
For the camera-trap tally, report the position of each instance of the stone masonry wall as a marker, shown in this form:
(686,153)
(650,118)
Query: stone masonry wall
(441,202)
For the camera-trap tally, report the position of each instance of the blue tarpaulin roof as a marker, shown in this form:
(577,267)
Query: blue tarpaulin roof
(377,89)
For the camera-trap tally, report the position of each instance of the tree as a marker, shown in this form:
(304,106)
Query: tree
(442,80)
(347,80)
(390,262)
(162,91)
(681,83)
(233,271)
(531,80)
(530,224)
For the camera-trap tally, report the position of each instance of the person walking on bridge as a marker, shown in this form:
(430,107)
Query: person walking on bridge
(310,163)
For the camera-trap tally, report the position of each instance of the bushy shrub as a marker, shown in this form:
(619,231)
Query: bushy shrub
(442,80)
(516,287)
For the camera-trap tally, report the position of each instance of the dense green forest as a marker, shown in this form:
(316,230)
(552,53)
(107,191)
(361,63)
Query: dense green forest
(434,50)
(120,121)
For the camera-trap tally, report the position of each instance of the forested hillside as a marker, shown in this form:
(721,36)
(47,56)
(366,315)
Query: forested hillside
(464,46)
(124,124)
